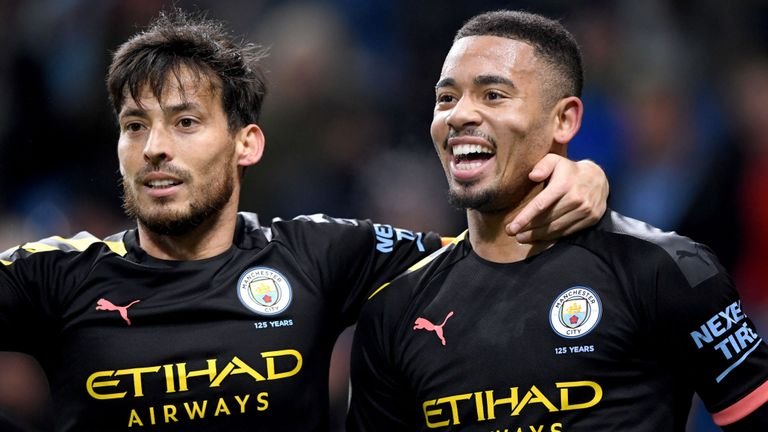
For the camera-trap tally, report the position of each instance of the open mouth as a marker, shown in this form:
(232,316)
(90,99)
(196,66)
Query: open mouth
(470,156)
(162,184)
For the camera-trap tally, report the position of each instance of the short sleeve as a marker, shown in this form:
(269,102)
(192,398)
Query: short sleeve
(723,356)
(351,258)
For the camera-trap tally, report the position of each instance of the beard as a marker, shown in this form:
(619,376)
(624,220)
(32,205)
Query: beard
(204,204)
(493,199)
(477,201)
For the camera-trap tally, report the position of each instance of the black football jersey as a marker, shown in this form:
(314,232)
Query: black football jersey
(237,342)
(611,329)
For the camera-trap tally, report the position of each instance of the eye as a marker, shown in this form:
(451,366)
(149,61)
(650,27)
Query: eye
(133,127)
(445,98)
(494,95)
(187,122)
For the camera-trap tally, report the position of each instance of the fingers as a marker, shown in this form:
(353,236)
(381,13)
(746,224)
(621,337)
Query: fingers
(560,171)
(569,223)
(575,198)
(545,167)
(553,222)
(541,210)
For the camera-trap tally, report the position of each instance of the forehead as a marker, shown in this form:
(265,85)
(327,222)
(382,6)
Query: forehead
(183,86)
(482,55)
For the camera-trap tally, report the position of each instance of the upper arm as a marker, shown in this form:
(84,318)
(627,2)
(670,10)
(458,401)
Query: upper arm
(351,258)
(723,355)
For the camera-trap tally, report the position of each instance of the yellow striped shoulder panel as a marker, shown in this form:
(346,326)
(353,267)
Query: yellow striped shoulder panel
(447,243)
(78,243)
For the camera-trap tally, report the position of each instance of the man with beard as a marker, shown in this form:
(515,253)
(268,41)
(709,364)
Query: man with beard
(613,328)
(200,318)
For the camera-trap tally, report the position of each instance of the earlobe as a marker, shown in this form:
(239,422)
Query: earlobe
(568,114)
(250,145)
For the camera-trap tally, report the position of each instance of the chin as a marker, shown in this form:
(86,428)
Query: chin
(492,199)
(171,224)
(475,200)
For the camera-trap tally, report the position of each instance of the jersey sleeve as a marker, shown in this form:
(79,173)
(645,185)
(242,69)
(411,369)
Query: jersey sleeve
(35,280)
(22,304)
(701,315)
(351,258)
(380,399)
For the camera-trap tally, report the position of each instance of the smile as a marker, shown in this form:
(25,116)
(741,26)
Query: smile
(468,157)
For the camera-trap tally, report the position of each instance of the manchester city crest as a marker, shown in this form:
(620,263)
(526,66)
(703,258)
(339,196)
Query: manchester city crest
(264,291)
(575,312)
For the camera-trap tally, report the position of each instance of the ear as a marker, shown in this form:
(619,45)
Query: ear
(568,113)
(249,145)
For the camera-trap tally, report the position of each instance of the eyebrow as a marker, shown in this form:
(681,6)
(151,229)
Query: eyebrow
(132,112)
(172,109)
(480,80)
(445,82)
(184,106)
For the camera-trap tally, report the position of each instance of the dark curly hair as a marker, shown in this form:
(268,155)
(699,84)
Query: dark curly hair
(177,41)
(550,40)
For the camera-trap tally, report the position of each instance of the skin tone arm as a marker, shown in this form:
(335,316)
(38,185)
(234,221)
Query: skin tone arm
(574,198)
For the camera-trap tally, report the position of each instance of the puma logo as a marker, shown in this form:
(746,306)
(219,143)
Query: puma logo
(106,305)
(685,254)
(425,324)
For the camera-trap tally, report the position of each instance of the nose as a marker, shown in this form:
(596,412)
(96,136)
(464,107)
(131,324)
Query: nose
(463,114)
(159,145)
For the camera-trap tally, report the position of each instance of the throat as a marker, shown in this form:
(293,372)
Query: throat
(504,250)
(489,238)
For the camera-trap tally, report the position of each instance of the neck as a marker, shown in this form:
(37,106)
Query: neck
(489,239)
(212,238)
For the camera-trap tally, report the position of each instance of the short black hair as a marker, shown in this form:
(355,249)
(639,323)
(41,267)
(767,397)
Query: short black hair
(177,41)
(551,41)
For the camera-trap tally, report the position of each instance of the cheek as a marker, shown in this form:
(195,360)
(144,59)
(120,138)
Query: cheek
(214,164)
(124,157)
(439,131)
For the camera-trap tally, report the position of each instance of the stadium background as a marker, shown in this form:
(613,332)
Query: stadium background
(675,113)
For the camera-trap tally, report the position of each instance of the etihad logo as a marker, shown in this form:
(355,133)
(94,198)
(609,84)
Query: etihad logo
(106,305)
(575,312)
(264,291)
(176,377)
(486,405)
(425,324)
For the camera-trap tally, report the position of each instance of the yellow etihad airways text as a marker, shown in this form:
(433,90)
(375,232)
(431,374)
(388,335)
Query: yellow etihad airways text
(112,384)
(448,410)
(170,413)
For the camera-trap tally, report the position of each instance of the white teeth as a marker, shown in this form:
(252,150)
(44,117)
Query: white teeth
(465,149)
(466,166)
(161,183)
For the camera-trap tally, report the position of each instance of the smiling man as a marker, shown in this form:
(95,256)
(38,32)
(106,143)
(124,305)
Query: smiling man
(200,318)
(611,329)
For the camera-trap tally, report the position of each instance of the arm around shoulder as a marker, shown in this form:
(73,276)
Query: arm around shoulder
(574,198)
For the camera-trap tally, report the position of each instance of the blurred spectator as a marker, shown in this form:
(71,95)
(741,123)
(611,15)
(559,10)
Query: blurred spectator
(596,26)
(321,127)
(749,92)
(678,171)
(416,197)
(23,393)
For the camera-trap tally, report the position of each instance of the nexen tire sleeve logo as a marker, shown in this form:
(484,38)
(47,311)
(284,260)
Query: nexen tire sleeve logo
(264,291)
(575,312)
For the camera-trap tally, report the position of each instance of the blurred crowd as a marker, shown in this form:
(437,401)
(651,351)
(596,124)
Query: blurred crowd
(674,114)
